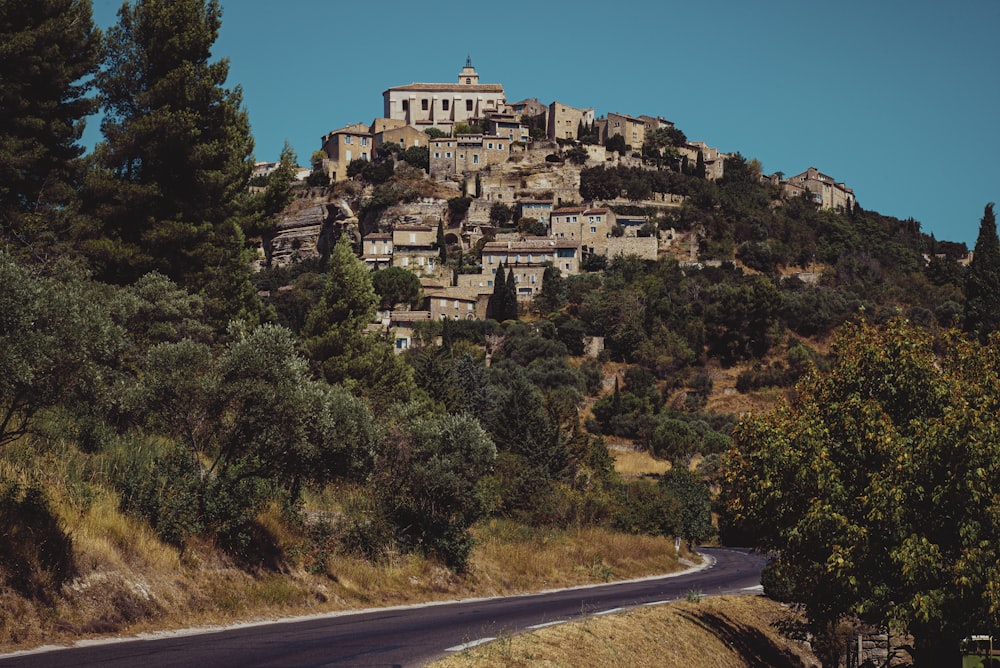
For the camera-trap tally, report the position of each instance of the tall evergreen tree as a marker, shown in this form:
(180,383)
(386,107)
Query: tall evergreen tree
(495,305)
(442,245)
(336,341)
(48,49)
(510,297)
(982,282)
(177,155)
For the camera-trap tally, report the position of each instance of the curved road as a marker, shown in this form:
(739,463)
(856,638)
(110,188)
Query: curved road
(406,636)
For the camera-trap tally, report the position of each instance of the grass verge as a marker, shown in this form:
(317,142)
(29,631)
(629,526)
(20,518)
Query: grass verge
(727,632)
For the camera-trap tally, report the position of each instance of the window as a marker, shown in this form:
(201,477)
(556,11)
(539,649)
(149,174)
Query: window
(437,155)
(489,145)
(348,155)
(468,80)
(364,141)
(475,159)
(348,139)
(448,154)
(406,105)
(489,284)
(468,105)
(424,104)
(413,237)
(444,303)
(445,104)
(401,344)
(500,146)
(593,229)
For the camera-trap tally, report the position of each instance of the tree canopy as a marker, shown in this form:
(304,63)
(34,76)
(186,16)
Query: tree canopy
(48,51)
(876,486)
(176,156)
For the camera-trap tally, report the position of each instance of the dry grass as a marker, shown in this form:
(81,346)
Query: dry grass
(633,463)
(512,558)
(731,632)
(128,582)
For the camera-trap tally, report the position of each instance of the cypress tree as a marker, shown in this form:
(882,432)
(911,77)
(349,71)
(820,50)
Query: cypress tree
(510,297)
(495,305)
(176,157)
(982,282)
(699,166)
(441,244)
(48,49)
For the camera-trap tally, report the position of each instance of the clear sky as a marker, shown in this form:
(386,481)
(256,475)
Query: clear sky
(899,99)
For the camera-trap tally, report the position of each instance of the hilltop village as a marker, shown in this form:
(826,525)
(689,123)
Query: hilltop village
(501,192)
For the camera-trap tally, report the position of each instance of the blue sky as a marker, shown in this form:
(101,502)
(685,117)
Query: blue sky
(899,100)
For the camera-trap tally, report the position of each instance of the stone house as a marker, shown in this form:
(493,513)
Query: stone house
(715,160)
(413,248)
(528,258)
(826,192)
(529,108)
(633,130)
(400,326)
(451,156)
(442,105)
(507,125)
(406,137)
(377,250)
(353,142)
(565,120)
(539,209)
(588,226)
(457,303)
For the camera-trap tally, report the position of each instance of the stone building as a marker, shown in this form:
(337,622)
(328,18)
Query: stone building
(528,258)
(450,156)
(632,130)
(413,248)
(826,192)
(590,227)
(564,120)
(530,108)
(377,250)
(507,125)
(406,137)
(353,142)
(715,160)
(443,105)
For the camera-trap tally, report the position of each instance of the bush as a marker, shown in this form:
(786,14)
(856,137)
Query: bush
(36,555)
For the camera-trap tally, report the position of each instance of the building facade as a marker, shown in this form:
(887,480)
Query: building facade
(823,189)
(564,120)
(442,105)
(465,154)
(353,142)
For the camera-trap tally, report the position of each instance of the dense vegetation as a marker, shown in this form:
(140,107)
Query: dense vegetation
(132,335)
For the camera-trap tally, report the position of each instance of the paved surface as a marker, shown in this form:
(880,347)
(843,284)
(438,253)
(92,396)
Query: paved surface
(409,636)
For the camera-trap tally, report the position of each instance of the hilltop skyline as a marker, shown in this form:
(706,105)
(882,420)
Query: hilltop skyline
(899,106)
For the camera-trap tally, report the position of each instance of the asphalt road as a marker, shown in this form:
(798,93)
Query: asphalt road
(403,636)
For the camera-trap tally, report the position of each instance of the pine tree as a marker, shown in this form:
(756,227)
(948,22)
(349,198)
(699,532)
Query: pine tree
(177,155)
(48,49)
(336,338)
(982,282)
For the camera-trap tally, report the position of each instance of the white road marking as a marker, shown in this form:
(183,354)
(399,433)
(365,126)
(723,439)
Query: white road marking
(608,612)
(542,626)
(469,645)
